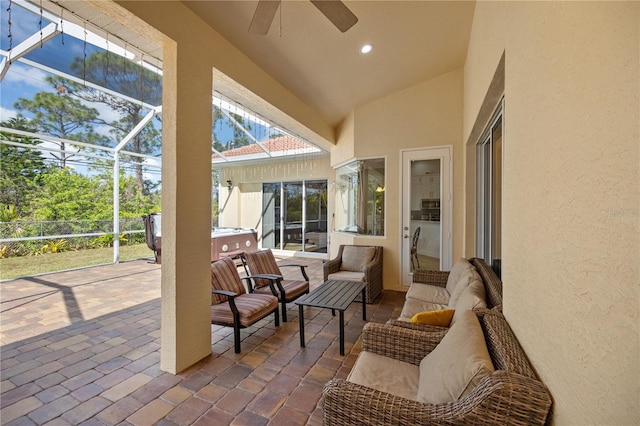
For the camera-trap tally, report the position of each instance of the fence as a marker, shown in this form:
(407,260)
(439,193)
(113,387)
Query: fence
(24,238)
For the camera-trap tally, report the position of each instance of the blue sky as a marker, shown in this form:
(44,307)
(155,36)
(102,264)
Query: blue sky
(24,81)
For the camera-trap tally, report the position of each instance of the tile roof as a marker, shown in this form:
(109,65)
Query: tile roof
(280,145)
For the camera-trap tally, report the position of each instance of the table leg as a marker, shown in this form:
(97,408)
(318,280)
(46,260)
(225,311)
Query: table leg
(301,319)
(341,332)
(364,304)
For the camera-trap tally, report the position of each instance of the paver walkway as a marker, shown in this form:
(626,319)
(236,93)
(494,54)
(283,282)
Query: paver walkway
(82,348)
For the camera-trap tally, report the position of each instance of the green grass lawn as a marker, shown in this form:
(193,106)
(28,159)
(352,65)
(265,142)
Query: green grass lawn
(23,266)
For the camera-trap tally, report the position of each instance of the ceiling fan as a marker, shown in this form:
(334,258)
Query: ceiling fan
(334,10)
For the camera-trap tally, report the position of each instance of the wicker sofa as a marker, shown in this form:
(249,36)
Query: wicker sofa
(507,394)
(469,285)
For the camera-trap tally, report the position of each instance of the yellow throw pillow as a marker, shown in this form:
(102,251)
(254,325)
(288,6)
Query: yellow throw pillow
(441,318)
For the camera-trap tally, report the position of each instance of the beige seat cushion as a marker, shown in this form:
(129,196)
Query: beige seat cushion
(346,276)
(385,374)
(456,365)
(414,306)
(458,268)
(471,298)
(252,307)
(428,293)
(355,258)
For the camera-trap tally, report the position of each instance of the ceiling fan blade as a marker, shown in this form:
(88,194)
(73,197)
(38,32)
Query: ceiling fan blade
(263,16)
(337,13)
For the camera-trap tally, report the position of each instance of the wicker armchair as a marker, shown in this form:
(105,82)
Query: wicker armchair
(346,266)
(511,395)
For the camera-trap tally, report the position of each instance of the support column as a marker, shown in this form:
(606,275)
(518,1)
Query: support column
(186,208)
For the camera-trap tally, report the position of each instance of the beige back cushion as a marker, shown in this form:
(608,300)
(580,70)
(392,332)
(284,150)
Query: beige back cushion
(459,267)
(456,365)
(466,277)
(355,258)
(428,293)
(471,298)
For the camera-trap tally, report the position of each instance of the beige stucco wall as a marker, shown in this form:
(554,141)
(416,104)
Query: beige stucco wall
(428,114)
(243,205)
(571,194)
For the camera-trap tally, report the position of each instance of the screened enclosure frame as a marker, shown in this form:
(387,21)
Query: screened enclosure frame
(68,24)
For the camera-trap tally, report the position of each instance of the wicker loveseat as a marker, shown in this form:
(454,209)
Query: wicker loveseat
(508,394)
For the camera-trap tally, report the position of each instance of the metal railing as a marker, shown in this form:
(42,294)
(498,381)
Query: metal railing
(24,238)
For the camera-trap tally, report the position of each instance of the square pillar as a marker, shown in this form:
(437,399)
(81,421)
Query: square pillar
(186,208)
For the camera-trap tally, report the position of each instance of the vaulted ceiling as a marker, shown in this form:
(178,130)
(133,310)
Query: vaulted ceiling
(413,41)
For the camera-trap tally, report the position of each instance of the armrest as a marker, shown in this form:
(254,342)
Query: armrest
(331,266)
(417,326)
(231,295)
(302,270)
(399,343)
(518,397)
(265,276)
(272,278)
(346,403)
(373,268)
(225,293)
(431,277)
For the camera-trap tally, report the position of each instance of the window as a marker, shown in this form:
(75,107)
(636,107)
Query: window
(489,192)
(294,216)
(359,192)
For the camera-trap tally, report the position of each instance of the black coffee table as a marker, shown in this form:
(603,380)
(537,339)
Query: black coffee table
(333,295)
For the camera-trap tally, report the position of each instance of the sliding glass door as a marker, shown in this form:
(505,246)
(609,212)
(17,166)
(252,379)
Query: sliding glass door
(489,193)
(294,216)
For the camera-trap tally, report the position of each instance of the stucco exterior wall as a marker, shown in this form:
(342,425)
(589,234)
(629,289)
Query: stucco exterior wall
(243,205)
(428,114)
(570,195)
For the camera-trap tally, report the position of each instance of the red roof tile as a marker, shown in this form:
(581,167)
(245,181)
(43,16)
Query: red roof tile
(279,144)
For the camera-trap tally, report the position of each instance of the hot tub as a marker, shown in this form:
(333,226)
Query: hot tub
(225,241)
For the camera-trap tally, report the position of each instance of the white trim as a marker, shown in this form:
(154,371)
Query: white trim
(444,153)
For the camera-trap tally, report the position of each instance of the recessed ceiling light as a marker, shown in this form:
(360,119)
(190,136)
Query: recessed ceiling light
(366,48)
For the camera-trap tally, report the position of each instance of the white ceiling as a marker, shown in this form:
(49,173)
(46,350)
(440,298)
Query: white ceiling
(413,41)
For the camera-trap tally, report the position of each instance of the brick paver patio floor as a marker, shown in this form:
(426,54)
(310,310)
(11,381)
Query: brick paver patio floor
(82,348)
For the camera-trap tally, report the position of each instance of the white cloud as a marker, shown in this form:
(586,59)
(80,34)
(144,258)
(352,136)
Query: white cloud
(20,75)
(106,113)
(152,162)
(6,114)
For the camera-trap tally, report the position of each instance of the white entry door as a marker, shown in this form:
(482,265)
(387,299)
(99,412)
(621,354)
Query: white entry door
(426,210)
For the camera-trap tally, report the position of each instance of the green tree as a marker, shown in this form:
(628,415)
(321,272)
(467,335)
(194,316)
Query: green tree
(132,80)
(21,168)
(60,115)
(239,136)
(216,117)
(68,195)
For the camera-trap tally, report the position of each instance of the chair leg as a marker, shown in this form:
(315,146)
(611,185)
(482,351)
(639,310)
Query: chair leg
(236,333)
(284,310)
(277,314)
